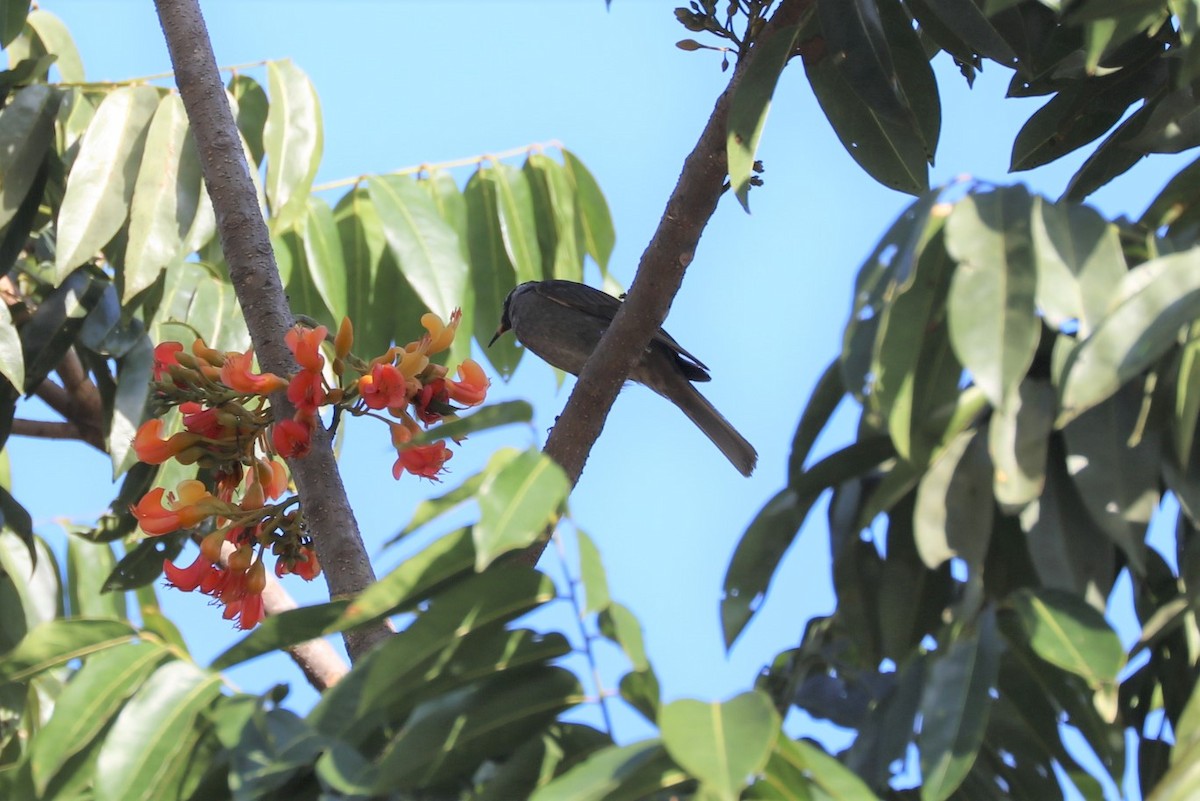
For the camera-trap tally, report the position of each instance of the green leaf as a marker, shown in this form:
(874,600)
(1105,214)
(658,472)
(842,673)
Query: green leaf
(293,138)
(854,34)
(1067,632)
(517,225)
(430,509)
(144,563)
(596,226)
(101,183)
(774,528)
(1177,200)
(135,370)
(94,695)
(993,321)
(516,504)
(252,110)
(56,40)
(620,625)
(967,22)
(825,398)
(31,571)
(1148,308)
(492,275)
(198,301)
(487,417)
(591,574)
(616,773)
(838,782)
(12,360)
(12,20)
(166,198)
(1018,436)
(363,246)
(26,132)
(554,206)
(423,243)
(953,515)
(1079,261)
(452,206)
(440,561)
(750,104)
(955,708)
(88,565)
(1187,397)
(280,631)
(478,722)
(323,256)
(150,735)
(722,744)
(59,641)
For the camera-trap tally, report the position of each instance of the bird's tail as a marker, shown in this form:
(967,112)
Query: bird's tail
(737,450)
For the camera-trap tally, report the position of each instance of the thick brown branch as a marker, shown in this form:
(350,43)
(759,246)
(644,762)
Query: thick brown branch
(46,429)
(78,410)
(659,275)
(247,246)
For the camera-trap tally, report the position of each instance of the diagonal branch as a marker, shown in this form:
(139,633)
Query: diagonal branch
(255,277)
(660,272)
(659,276)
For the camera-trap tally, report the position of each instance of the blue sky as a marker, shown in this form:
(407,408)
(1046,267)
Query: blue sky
(763,304)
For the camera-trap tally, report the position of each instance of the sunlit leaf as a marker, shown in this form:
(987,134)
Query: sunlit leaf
(516,503)
(594,218)
(323,256)
(721,744)
(59,641)
(293,138)
(1070,634)
(616,773)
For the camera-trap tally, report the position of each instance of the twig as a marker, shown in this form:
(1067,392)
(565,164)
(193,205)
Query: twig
(588,651)
(255,277)
(658,278)
(47,429)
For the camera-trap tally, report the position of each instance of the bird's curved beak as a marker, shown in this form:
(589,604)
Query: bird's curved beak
(496,335)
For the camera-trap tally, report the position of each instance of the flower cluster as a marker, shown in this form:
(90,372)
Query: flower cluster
(232,431)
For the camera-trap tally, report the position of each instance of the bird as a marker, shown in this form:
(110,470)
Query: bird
(563,321)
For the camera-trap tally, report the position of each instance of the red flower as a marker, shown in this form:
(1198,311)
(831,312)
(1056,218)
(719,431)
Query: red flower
(305,344)
(432,402)
(383,387)
(422,460)
(292,438)
(190,577)
(306,391)
(237,374)
(164,357)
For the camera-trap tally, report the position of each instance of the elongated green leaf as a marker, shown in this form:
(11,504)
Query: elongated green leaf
(60,641)
(198,301)
(968,22)
(596,226)
(1149,307)
(423,243)
(854,34)
(293,138)
(554,205)
(492,274)
(89,702)
(363,246)
(430,509)
(100,186)
(323,256)
(1018,436)
(479,722)
(953,516)
(822,402)
(26,132)
(252,108)
(12,360)
(616,773)
(166,198)
(1079,262)
(1187,397)
(516,504)
(823,770)
(134,372)
(749,107)
(955,708)
(441,560)
(452,206)
(1067,632)
(491,416)
(31,570)
(721,744)
(56,39)
(620,625)
(280,631)
(12,20)
(517,225)
(88,565)
(993,322)
(776,525)
(591,574)
(150,734)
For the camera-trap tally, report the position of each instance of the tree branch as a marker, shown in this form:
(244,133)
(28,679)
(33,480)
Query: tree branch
(659,276)
(247,247)
(77,409)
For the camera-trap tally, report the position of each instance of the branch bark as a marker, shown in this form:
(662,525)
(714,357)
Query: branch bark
(252,269)
(658,278)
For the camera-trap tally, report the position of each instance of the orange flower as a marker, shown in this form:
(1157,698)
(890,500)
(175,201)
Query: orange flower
(151,448)
(441,335)
(188,506)
(305,344)
(422,460)
(292,438)
(344,339)
(306,391)
(190,577)
(236,374)
(164,357)
(472,386)
(383,387)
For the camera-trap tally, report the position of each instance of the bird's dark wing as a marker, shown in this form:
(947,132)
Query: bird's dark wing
(604,307)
